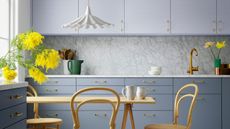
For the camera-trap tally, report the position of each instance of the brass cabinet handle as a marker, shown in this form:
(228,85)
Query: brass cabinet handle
(149,115)
(100,81)
(102,115)
(153,90)
(48,90)
(149,82)
(16,114)
(198,81)
(200,98)
(52,115)
(13,97)
(52,82)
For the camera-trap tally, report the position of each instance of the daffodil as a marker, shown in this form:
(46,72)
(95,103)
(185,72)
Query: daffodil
(9,74)
(32,40)
(220,45)
(209,44)
(37,75)
(48,58)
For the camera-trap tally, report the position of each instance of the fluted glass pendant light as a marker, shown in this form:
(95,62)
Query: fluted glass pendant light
(86,21)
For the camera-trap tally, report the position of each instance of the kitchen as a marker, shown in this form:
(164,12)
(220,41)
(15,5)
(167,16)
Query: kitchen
(140,37)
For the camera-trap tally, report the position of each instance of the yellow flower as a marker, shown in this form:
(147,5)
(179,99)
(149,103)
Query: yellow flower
(208,44)
(22,36)
(220,45)
(9,74)
(37,75)
(48,58)
(32,40)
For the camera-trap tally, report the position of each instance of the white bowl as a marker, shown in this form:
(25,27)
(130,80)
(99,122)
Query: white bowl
(153,68)
(154,72)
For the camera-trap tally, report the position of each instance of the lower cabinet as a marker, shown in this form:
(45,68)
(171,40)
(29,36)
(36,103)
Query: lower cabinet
(225,103)
(206,114)
(19,125)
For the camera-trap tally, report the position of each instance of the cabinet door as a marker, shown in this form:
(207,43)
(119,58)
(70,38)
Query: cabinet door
(50,15)
(193,16)
(206,114)
(226,103)
(4,22)
(111,11)
(147,17)
(223,22)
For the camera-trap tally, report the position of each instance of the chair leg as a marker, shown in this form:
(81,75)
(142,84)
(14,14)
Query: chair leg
(58,126)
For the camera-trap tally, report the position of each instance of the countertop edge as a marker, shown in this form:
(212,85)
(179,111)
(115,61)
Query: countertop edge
(14,85)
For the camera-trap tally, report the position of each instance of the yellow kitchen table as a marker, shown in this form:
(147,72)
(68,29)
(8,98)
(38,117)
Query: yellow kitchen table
(127,104)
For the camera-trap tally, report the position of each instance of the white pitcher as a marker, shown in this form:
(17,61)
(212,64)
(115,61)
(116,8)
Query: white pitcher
(129,92)
(141,93)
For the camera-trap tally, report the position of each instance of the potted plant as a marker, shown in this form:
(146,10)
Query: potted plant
(66,55)
(39,58)
(215,49)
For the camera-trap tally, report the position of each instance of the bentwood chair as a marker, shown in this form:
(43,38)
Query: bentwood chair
(76,107)
(178,99)
(37,122)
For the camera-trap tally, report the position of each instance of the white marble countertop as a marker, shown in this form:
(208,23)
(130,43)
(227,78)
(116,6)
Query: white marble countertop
(130,76)
(13,85)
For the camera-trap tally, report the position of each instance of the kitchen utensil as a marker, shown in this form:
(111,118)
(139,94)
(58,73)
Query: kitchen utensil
(129,92)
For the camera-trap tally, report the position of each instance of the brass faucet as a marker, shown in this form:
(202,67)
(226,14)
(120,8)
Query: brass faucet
(191,68)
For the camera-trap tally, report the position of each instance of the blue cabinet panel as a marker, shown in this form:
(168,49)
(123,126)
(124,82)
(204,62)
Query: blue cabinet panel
(55,81)
(13,97)
(149,81)
(207,112)
(19,125)
(100,81)
(155,90)
(163,102)
(206,85)
(226,103)
(12,115)
(118,89)
(55,90)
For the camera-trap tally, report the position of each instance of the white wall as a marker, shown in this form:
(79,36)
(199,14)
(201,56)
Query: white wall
(22,24)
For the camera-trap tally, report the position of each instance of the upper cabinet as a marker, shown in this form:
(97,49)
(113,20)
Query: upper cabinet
(147,16)
(111,11)
(48,16)
(4,22)
(193,16)
(223,17)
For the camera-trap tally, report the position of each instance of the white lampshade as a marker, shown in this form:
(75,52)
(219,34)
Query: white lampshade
(86,21)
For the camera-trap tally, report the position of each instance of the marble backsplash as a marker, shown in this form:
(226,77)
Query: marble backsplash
(134,55)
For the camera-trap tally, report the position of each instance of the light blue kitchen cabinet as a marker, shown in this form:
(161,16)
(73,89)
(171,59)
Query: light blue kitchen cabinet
(193,16)
(49,16)
(206,114)
(111,11)
(225,103)
(147,17)
(223,18)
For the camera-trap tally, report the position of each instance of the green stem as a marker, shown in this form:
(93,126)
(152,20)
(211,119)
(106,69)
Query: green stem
(219,53)
(212,53)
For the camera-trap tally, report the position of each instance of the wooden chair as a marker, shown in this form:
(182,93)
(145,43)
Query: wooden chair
(178,99)
(75,109)
(37,122)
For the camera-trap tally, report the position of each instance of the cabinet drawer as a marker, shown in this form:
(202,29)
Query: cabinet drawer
(55,81)
(163,102)
(55,90)
(12,115)
(206,85)
(149,81)
(98,119)
(118,89)
(13,97)
(152,90)
(19,125)
(100,81)
(66,116)
(143,118)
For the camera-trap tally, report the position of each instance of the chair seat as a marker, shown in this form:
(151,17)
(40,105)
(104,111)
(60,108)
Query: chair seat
(164,126)
(44,121)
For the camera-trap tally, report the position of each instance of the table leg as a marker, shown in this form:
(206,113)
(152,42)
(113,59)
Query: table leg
(128,109)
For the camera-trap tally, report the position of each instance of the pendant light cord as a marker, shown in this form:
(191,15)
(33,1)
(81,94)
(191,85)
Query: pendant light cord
(88,2)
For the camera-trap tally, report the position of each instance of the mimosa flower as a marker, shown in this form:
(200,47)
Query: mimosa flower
(208,44)
(8,73)
(48,58)
(32,40)
(37,75)
(220,45)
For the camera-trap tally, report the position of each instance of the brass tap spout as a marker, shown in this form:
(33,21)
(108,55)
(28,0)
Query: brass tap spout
(191,68)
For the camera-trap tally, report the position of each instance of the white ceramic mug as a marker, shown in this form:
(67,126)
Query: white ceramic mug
(141,93)
(129,92)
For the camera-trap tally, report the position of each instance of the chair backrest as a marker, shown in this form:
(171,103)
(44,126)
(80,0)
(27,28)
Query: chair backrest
(115,104)
(179,97)
(33,93)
